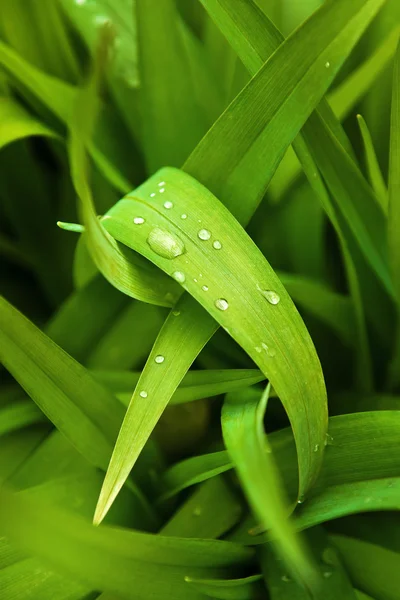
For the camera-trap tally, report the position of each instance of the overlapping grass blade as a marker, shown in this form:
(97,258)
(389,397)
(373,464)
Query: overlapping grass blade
(139,564)
(202,267)
(374,171)
(17,123)
(19,415)
(243,433)
(246,588)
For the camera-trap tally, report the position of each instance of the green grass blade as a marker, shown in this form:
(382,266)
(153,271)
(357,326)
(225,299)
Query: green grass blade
(372,568)
(246,588)
(172,122)
(17,123)
(244,438)
(374,170)
(18,415)
(138,564)
(270,349)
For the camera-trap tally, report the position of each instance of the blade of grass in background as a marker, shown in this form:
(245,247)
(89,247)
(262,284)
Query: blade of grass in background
(374,171)
(16,123)
(243,434)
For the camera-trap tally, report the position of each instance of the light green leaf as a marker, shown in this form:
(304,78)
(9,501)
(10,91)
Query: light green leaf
(16,123)
(244,438)
(18,415)
(374,171)
(272,335)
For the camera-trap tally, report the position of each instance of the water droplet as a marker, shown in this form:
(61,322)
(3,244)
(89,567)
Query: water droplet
(327,574)
(179,276)
(271,296)
(184,216)
(327,64)
(301,500)
(167,204)
(161,183)
(286,578)
(258,349)
(176,313)
(165,244)
(197,511)
(269,351)
(159,359)
(152,195)
(316,447)
(143,394)
(205,288)
(221,304)
(161,190)
(138,220)
(195,280)
(204,234)
(200,274)
(328,440)
(217,245)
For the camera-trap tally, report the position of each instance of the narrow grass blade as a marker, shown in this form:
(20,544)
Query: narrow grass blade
(374,170)
(210,512)
(246,588)
(19,415)
(16,123)
(270,348)
(372,568)
(244,438)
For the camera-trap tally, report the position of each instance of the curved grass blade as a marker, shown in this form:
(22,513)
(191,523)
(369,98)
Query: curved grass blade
(123,269)
(374,170)
(18,415)
(202,267)
(247,588)
(243,432)
(16,123)
(194,386)
(350,498)
(372,568)
(139,565)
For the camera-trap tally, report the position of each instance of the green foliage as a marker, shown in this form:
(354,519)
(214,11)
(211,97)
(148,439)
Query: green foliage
(169,358)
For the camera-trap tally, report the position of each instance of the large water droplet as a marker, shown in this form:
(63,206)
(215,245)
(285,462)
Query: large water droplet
(159,359)
(143,394)
(138,220)
(271,296)
(222,304)
(205,288)
(179,276)
(161,183)
(168,204)
(217,245)
(165,244)
(327,64)
(204,234)
(184,216)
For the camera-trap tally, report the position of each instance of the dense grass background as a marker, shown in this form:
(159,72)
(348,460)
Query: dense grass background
(169,365)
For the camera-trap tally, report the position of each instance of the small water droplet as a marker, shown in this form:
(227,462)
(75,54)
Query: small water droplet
(327,64)
(138,220)
(161,183)
(176,313)
(271,296)
(301,500)
(200,274)
(328,440)
(286,578)
(195,280)
(179,276)
(152,195)
(161,190)
(221,304)
(316,447)
(205,288)
(183,216)
(204,235)
(143,394)
(217,245)
(327,574)
(159,359)
(197,511)
(168,204)
(165,244)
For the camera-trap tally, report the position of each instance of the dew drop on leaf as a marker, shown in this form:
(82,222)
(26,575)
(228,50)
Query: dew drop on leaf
(271,296)
(221,304)
(165,244)
(168,204)
(161,183)
(205,288)
(159,359)
(176,313)
(217,245)
(179,276)
(138,220)
(204,235)
(143,394)
(184,216)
